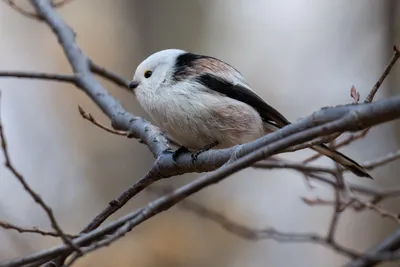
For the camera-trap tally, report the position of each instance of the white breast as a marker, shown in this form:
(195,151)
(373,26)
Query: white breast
(195,118)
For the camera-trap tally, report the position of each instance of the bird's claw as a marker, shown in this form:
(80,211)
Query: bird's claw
(176,153)
(195,155)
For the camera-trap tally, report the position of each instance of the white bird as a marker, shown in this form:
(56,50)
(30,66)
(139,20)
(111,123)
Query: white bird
(202,102)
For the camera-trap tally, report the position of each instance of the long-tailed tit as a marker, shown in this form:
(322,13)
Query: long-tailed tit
(202,102)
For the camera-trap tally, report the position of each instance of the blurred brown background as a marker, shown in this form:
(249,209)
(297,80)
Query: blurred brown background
(300,55)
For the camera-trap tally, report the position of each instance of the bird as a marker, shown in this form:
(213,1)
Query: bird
(202,103)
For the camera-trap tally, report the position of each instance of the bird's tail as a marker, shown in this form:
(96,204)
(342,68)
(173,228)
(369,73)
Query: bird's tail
(340,158)
(343,160)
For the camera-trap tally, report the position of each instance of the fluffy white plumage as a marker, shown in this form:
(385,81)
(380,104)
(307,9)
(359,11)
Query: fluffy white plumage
(188,111)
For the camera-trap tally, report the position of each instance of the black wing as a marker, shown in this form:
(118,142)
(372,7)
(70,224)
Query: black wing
(228,82)
(243,94)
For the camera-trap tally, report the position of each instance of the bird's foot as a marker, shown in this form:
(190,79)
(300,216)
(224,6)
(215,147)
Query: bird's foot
(196,154)
(176,153)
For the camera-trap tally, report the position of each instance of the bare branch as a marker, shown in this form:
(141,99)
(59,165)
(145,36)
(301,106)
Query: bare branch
(316,141)
(23,12)
(9,226)
(89,117)
(284,164)
(33,15)
(358,205)
(382,110)
(102,243)
(390,244)
(109,75)
(337,207)
(260,234)
(38,75)
(114,205)
(385,73)
(351,138)
(372,164)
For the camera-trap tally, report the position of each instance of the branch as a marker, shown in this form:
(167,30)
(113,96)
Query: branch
(351,118)
(372,164)
(251,234)
(89,117)
(38,75)
(312,172)
(284,164)
(118,202)
(33,15)
(351,138)
(9,226)
(337,207)
(358,205)
(101,71)
(385,73)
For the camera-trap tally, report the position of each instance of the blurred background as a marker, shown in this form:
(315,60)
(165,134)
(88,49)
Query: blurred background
(299,55)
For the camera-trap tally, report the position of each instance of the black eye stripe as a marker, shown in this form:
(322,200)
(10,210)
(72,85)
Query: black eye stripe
(147,74)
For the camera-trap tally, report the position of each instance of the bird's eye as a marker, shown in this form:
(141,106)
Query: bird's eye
(147,74)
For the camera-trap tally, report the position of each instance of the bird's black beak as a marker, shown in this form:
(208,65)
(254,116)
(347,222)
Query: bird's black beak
(133,84)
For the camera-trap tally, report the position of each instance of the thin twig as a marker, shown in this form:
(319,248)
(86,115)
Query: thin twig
(349,139)
(337,207)
(33,15)
(39,75)
(109,75)
(31,192)
(385,73)
(103,243)
(89,117)
(357,205)
(7,225)
(316,141)
(114,205)
(372,164)
(284,164)
(23,12)
(368,99)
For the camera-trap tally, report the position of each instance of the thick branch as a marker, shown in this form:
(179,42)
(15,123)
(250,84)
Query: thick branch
(351,118)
